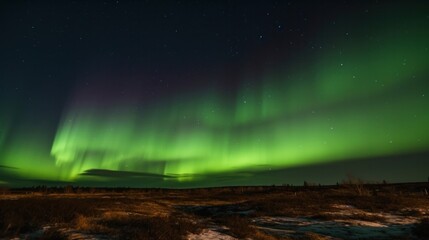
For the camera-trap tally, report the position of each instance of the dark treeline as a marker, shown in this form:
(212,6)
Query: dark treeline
(371,188)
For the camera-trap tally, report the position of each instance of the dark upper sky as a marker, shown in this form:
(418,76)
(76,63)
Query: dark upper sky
(193,91)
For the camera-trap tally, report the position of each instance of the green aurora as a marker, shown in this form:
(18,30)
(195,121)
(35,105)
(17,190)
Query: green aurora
(361,98)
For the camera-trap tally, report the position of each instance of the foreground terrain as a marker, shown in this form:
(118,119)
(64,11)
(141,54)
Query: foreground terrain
(346,211)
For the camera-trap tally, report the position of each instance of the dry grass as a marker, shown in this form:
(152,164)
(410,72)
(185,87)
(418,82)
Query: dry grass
(85,223)
(260,235)
(29,214)
(172,214)
(150,227)
(115,215)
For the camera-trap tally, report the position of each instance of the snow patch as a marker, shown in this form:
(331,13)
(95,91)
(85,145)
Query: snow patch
(346,222)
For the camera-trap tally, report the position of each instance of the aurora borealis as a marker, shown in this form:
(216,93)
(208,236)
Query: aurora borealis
(210,94)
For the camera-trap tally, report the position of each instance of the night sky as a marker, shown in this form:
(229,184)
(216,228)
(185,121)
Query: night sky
(213,93)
